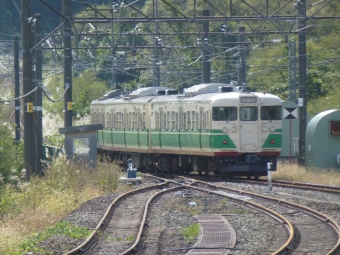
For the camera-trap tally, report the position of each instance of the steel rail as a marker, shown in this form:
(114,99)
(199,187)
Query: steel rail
(132,249)
(297,185)
(93,238)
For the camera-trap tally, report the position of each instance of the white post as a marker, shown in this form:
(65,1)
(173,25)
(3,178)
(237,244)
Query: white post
(269,176)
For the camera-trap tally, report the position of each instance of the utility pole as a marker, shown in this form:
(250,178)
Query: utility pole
(38,94)
(205,47)
(242,69)
(157,42)
(156,70)
(27,85)
(114,59)
(302,102)
(67,63)
(17,87)
(292,70)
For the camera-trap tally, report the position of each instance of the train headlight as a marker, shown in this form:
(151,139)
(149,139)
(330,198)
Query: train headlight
(225,130)
(225,142)
(272,141)
(272,129)
(234,129)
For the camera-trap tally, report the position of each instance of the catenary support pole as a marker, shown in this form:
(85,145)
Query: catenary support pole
(205,48)
(66,4)
(242,58)
(17,87)
(302,102)
(27,85)
(38,94)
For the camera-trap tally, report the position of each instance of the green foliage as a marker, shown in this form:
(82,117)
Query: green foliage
(85,88)
(191,233)
(61,228)
(11,152)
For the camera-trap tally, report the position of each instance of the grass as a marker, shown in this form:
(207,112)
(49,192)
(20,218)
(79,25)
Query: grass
(28,210)
(295,173)
(192,232)
(61,228)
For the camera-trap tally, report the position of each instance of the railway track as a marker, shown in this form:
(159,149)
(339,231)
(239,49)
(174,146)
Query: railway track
(264,182)
(316,233)
(138,232)
(295,185)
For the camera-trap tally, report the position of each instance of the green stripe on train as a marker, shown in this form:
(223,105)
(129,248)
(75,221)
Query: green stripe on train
(277,138)
(166,138)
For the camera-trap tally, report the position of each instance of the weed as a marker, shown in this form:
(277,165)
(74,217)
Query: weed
(240,211)
(61,228)
(223,202)
(192,232)
(130,238)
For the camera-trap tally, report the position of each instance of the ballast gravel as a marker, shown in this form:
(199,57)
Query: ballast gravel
(172,214)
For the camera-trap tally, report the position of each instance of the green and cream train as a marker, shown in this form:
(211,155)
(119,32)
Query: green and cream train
(209,128)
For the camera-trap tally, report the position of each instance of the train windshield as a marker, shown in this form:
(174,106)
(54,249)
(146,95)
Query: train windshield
(271,113)
(248,113)
(224,113)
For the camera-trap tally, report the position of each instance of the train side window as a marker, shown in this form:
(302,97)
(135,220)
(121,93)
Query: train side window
(157,120)
(134,120)
(168,118)
(180,118)
(118,120)
(189,120)
(248,113)
(125,119)
(202,122)
(184,120)
(143,121)
(173,120)
(161,118)
(197,120)
(193,120)
(271,113)
(108,120)
(114,119)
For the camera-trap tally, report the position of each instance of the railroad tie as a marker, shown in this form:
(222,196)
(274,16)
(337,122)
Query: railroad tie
(216,236)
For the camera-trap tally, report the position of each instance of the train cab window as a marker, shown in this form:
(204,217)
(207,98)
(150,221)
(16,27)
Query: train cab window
(224,113)
(271,113)
(248,113)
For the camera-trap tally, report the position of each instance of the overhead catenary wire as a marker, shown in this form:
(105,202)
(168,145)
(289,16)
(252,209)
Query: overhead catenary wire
(32,91)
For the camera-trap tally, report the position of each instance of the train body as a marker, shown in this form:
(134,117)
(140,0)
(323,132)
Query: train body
(209,128)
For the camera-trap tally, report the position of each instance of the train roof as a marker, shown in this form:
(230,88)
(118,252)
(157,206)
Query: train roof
(211,92)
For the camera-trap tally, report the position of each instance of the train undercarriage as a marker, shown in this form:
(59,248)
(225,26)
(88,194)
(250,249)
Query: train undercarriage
(249,165)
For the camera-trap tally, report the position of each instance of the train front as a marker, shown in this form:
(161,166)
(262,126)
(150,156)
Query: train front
(247,133)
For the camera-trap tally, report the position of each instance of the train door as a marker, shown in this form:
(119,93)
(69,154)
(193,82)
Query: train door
(249,139)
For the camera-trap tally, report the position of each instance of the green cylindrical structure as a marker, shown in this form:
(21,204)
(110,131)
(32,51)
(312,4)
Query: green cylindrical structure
(323,141)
